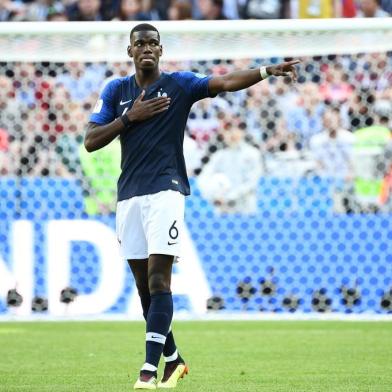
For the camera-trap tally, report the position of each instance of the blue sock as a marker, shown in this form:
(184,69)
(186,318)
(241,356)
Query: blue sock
(159,318)
(170,346)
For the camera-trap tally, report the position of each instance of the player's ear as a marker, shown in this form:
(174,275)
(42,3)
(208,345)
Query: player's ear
(160,51)
(129,51)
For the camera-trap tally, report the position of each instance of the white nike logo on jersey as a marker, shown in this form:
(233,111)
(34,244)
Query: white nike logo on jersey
(123,103)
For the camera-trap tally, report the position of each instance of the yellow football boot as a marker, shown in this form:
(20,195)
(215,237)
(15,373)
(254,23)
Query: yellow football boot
(172,373)
(146,381)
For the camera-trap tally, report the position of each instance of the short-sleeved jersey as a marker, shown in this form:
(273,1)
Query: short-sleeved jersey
(152,158)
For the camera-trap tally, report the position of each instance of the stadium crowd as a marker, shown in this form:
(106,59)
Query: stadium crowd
(334,122)
(97,10)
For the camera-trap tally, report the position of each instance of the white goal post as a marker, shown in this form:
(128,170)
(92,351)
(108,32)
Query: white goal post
(196,40)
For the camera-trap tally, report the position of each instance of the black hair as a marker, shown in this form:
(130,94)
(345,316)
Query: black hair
(144,27)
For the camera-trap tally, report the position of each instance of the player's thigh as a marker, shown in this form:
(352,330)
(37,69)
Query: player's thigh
(130,230)
(164,223)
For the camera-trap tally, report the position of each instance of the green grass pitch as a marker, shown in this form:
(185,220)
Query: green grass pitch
(223,356)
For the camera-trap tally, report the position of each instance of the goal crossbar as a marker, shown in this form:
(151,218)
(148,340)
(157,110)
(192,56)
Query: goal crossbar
(195,40)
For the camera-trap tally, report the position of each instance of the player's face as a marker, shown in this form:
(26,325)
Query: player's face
(145,49)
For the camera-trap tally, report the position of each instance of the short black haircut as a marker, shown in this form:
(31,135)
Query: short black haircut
(144,27)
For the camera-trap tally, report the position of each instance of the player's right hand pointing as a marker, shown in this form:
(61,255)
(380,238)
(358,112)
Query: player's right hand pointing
(284,69)
(143,110)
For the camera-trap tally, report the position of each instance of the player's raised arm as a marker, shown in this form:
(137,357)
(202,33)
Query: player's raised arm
(239,80)
(98,136)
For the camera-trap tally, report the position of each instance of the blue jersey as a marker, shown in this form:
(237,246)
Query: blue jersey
(152,158)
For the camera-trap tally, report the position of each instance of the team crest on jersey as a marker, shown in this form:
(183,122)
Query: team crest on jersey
(98,106)
(161,93)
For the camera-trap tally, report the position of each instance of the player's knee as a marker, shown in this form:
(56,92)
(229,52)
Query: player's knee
(158,283)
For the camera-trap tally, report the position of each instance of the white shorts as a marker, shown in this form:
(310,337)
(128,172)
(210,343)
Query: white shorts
(150,224)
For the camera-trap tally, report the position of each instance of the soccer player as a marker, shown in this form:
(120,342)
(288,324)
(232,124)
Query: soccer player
(148,111)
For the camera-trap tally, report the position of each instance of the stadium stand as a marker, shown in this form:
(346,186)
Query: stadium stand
(98,10)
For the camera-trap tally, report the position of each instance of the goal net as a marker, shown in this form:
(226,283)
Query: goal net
(291,182)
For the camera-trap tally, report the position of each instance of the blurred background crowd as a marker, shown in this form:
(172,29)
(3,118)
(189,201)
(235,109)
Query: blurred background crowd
(333,123)
(97,10)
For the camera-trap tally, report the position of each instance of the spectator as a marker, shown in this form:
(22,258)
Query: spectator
(333,147)
(383,111)
(34,153)
(6,10)
(333,152)
(10,107)
(370,147)
(132,10)
(253,117)
(382,76)
(371,9)
(281,141)
(326,9)
(109,9)
(383,114)
(25,82)
(262,112)
(157,9)
(264,9)
(231,9)
(55,15)
(386,5)
(4,155)
(180,10)
(317,9)
(305,120)
(59,110)
(100,169)
(386,169)
(71,138)
(347,9)
(203,122)
(336,88)
(85,10)
(39,10)
(11,10)
(117,70)
(81,80)
(285,95)
(211,9)
(360,108)
(230,179)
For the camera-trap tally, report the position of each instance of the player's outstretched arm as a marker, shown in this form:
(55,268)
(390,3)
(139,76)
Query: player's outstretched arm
(98,136)
(239,80)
